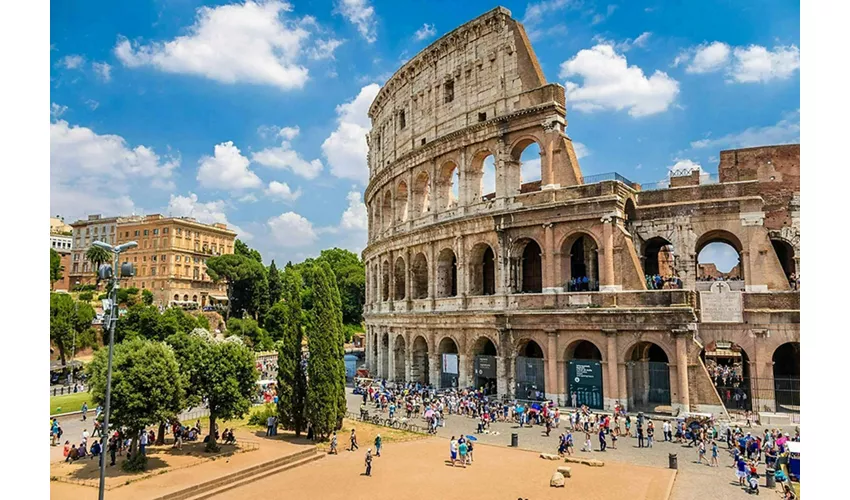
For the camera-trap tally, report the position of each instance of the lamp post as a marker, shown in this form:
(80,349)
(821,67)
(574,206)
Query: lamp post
(113,274)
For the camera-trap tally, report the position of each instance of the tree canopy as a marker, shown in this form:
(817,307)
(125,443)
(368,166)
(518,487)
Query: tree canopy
(97,256)
(70,322)
(57,269)
(350,276)
(249,330)
(147,322)
(247,288)
(240,248)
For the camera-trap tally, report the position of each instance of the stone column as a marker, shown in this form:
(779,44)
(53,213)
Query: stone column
(682,368)
(462,371)
(512,375)
(552,365)
(380,344)
(610,399)
(623,385)
(434,369)
(432,274)
(501,376)
(408,363)
(369,344)
(608,283)
(408,278)
(549,283)
(391,359)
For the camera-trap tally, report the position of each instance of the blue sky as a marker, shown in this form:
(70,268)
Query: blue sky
(254,114)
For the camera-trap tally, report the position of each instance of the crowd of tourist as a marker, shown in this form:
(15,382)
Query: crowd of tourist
(658,282)
(582,284)
(267,368)
(718,278)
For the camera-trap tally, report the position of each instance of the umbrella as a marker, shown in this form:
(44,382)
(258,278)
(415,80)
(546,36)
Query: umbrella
(428,413)
(472,438)
(536,406)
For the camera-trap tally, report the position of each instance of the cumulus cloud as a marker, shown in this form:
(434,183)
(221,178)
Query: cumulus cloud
(102,70)
(425,32)
(742,64)
(611,84)
(281,191)
(684,166)
(292,230)
(323,49)
(227,169)
(249,42)
(284,157)
(72,61)
(345,148)
(94,173)
(354,218)
(785,131)
(361,15)
(211,212)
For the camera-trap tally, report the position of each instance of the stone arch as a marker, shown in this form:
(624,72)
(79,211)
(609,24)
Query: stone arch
(527,266)
(482,270)
(786,255)
(448,350)
(422,194)
(728,366)
(419,276)
(579,260)
(385,281)
(786,377)
(447,273)
(447,185)
(419,361)
(658,256)
(648,375)
(584,373)
(186,297)
(533,178)
(176,297)
(400,358)
(484,352)
(530,370)
(629,211)
(374,294)
(399,293)
(401,202)
(722,237)
(584,348)
(387,210)
(481,176)
(481,345)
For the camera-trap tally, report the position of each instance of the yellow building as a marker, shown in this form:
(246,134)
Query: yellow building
(84,232)
(171,259)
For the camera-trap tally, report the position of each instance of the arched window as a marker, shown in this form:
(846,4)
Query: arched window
(719,257)
(785,254)
(385,276)
(401,202)
(530,372)
(422,194)
(447,184)
(387,211)
(481,178)
(529,273)
(482,270)
(526,153)
(647,376)
(447,274)
(399,292)
(580,263)
(419,276)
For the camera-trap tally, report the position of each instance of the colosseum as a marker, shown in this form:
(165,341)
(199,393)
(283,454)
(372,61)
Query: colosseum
(542,289)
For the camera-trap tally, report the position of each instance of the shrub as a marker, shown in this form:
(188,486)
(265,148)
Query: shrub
(135,463)
(103,296)
(86,296)
(260,415)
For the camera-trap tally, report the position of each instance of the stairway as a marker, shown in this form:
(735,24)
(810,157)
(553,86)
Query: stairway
(245,476)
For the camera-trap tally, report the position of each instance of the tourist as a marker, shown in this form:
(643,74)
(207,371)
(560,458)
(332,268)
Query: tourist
(112,447)
(588,446)
(84,410)
(469,450)
(666,430)
(85,437)
(353,439)
(143,441)
(67,449)
(650,432)
(270,426)
(602,444)
(453,445)
(73,454)
(701,452)
(369,462)
(640,435)
(378,445)
(714,454)
(462,449)
(614,437)
(96,450)
(741,471)
(333,445)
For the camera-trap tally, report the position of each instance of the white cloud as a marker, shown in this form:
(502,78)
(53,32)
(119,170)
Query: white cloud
(324,49)
(684,166)
(247,42)
(345,148)
(92,104)
(103,70)
(742,64)
(227,169)
(208,213)
(642,39)
(92,173)
(362,15)
(537,12)
(292,230)
(710,57)
(530,170)
(284,157)
(56,111)
(757,64)
(610,83)
(249,198)
(598,18)
(425,32)
(72,61)
(580,149)
(786,131)
(354,218)
(626,44)
(282,191)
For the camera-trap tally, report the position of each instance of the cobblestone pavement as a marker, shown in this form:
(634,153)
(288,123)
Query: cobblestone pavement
(693,481)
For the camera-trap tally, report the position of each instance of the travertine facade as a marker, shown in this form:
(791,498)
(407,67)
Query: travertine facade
(458,275)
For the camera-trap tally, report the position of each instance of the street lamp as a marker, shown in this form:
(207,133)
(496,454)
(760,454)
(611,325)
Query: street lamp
(106,273)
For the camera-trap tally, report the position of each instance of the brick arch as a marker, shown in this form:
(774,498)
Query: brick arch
(400,291)
(571,236)
(420,193)
(402,201)
(446,172)
(670,351)
(472,341)
(721,235)
(482,279)
(575,339)
(429,345)
(524,339)
(475,174)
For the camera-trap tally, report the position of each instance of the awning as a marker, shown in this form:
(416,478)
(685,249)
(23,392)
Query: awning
(219,298)
(723,353)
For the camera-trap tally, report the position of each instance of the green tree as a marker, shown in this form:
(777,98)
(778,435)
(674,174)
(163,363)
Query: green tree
(147,322)
(249,330)
(57,269)
(325,368)
(128,296)
(97,256)
(240,248)
(275,285)
(147,388)
(246,283)
(70,323)
(147,297)
(285,323)
(350,275)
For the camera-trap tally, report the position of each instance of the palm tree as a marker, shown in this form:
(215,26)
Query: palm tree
(97,256)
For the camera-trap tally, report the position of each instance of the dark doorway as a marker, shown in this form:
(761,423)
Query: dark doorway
(530,373)
(785,253)
(532,268)
(485,366)
(786,377)
(489,271)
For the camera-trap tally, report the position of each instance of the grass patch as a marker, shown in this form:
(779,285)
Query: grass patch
(69,402)
(366,435)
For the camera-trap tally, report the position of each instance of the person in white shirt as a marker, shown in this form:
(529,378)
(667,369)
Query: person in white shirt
(143,441)
(85,437)
(453,450)
(666,431)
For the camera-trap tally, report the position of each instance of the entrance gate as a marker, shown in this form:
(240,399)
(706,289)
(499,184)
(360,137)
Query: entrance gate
(485,373)
(648,383)
(584,383)
(530,381)
(449,373)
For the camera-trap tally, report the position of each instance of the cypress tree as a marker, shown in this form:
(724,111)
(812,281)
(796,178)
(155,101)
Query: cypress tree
(323,373)
(275,285)
(339,343)
(285,321)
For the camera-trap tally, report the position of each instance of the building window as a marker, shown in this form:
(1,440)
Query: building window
(135,233)
(156,232)
(146,232)
(143,284)
(401,121)
(449,92)
(179,230)
(144,258)
(176,258)
(153,271)
(165,231)
(76,268)
(482,117)
(153,258)
(163,258)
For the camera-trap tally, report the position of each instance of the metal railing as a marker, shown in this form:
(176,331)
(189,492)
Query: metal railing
(665,184)
(608,176)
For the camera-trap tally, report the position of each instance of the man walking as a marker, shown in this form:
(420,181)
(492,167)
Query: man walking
(453,450)
(85,410)
(354,442)
(378,445)
(333,445)
(369,462)
(270,426)
(143,441)
(602,444)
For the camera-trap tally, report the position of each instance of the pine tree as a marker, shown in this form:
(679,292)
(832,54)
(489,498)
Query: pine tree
(323,373)
(339,344)
(285,322)
(275,285)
